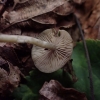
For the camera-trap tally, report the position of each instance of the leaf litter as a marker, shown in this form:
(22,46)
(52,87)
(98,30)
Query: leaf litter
(53,90)
(31,17)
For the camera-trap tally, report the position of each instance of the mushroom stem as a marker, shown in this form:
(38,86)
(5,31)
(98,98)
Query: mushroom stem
(26,39)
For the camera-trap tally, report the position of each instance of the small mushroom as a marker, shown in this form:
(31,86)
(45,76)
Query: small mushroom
(51,50)
(47,60)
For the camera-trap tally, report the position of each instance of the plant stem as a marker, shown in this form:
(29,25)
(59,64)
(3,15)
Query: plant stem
(88,59)
(26,39)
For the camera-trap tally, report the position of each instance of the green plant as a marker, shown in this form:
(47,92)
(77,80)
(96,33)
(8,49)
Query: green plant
(81,68)
(34,82)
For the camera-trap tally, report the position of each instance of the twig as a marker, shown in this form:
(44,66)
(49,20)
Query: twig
(88,59)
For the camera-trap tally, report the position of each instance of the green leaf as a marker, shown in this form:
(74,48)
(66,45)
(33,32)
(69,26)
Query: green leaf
(23,93)
(34,82)
(30,96)
(81,68)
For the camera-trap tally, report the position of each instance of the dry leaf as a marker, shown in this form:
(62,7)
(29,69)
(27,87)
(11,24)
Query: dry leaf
(32,9)
(13,31)
(3,80)
(2,62)
(88,13)
(64,9)
(45,19)
(14,76)
(91,26)
(41,21)
(1,9)
(79,1)
(8,53)
(9,79)
(55,91)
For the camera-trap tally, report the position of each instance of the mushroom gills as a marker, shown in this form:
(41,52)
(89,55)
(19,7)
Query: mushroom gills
(47,60)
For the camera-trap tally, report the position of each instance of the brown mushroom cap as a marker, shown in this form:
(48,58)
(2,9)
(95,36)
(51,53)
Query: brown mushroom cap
(47,60)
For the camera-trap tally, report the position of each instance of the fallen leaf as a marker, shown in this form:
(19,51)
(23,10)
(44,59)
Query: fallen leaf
(3,80)
(8,53)
(1,9)
(45,19)
(13,31)
(2,62)
(55,91)
(26,13)
(9,79)
(64,9)
(79,1)
(88,13)
(14,76)
(34,82)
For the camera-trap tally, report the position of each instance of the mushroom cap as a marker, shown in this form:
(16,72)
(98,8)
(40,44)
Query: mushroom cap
(47,60)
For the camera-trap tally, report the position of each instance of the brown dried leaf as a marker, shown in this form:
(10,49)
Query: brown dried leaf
(32,9)
(1,9)
(18,2)
(14,76)
(15,54)
(83,10)
(91,26)
(9,79)
(13,31)
(89,13)
(8,53)
(64,9)
(2,62)
(55,91)
(45,19)
(97,28)
(79,1)
(3,80)
(24,53)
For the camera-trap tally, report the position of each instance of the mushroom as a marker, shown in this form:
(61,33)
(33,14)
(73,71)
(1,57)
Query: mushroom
(51,50)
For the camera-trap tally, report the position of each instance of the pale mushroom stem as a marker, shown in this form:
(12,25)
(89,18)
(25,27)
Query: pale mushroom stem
(26,39)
